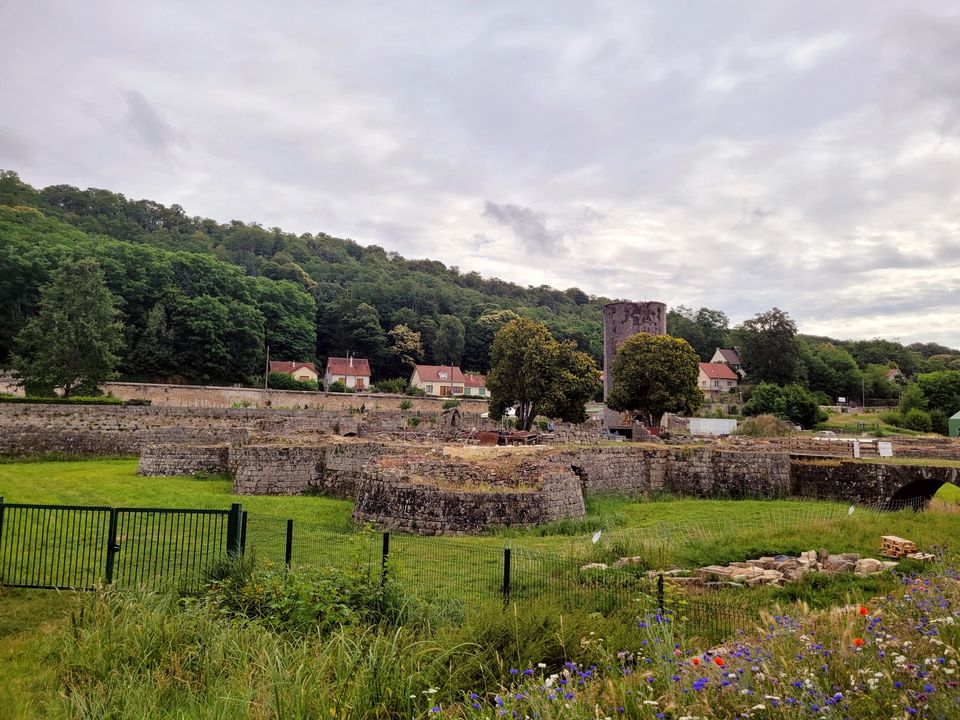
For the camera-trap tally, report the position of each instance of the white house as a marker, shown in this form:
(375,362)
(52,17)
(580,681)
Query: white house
(717,377)
(441,380)
(302,371)
(729,357)
(475,385)
(352,372)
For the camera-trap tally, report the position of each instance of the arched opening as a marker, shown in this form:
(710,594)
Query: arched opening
(915,495)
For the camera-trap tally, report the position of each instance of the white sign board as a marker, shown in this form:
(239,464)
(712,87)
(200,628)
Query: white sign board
(712,426)
(885,449)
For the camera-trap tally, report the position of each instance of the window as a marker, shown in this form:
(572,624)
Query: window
(483,391)
(359,384)
(442,374)
(428,389)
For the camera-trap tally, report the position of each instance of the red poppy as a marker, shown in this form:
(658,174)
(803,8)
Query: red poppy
(719,661)
(696,661)
(858,642)
(863,610)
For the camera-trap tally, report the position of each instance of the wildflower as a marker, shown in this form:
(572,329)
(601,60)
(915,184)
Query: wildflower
(858,642)
(435,709)
(719,661)
(863,610)
(695,661)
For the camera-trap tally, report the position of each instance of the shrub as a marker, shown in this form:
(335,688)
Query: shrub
(917,419)
(285,381)
(138,402)
(892,417)
(339,387)
(406,404)
(413,421)
(764,426)
(74,400)
(396,386)
(450,404)
(415,391)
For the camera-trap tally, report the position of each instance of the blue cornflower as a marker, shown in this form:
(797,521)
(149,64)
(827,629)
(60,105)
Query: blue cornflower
(568,696)
(435,709)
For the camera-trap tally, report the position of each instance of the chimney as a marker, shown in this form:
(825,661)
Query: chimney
(351,360)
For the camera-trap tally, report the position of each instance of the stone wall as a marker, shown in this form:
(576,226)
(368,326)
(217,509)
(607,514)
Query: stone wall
(181,459)
(630,470)
(227,397)
(417,496)
(870,483)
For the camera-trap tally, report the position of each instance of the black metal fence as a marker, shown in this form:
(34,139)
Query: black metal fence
(80,547)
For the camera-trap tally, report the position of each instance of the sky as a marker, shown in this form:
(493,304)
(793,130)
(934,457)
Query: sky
(734,155)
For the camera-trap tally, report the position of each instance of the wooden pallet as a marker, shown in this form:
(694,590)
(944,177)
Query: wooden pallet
(892,546)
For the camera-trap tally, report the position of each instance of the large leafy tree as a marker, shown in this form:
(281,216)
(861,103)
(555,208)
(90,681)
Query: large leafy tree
(705,329)
(74,339)
(406,350)
(531,370)
(942,393)
(768,347)
(448,346)
(655,374)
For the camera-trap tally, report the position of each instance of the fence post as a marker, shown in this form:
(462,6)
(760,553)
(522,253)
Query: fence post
(112,546)
(384,557)
(1,523)
(288,552)
(243,533)
(234,529)
(660,602)
(506,576)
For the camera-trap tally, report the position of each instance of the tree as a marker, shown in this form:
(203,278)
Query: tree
(705,329)
(529,369)
(793,402)
(448,347)
(153,352)
(767,347)
(655,374)
(366,338)
(942,393)
(74,338)
(406,348)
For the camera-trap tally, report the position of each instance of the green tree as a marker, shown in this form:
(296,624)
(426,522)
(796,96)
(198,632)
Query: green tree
(655,374)
(705,329)
(366,337)
(406,349)
(448,346)
(153,352)
(793,402)
(74,338)
(942,393)
(530,370)
(767,347)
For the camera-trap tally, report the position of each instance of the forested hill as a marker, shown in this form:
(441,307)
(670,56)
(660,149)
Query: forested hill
(202,299)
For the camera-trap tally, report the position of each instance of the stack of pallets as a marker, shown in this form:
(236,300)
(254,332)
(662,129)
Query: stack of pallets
(892,546)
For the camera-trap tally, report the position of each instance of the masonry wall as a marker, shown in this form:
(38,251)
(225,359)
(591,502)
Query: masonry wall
(182,459)
(227,397)
(392,503)
(849,481)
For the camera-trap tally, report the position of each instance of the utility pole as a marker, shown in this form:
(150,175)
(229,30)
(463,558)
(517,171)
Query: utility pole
(266,369)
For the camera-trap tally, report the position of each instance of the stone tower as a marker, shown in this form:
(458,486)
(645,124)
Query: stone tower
(623,319)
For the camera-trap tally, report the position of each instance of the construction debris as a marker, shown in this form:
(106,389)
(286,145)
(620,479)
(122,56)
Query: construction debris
(896,547)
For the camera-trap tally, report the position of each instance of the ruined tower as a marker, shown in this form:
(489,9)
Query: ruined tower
(620,321)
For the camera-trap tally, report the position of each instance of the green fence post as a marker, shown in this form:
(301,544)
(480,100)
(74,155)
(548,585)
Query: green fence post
(384,556)
(234,529)
(288,552)
(243,533)
(1,525)
(506,576)
(112,546)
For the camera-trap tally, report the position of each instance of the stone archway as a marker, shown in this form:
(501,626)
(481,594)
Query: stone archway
(916,495)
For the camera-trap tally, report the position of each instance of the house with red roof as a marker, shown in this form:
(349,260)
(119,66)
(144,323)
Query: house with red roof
(717,378)
(302,371)
(474,385)
(353,372)
(729,357)
(440,380)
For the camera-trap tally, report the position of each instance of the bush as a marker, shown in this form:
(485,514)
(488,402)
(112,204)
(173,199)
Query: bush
(793,402)
(764,426)
(892,417)
(75,400)
(138,402)
(406,404)
(415,391)
(339,387)
(285,381)
(450,404)
(413,421)
(917,419)
(396,386)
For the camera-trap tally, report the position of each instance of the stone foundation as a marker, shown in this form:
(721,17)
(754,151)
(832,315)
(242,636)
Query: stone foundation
(183,459)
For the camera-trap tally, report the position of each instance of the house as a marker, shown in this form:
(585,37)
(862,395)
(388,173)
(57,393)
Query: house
(894,375)
(302,371)
(717,377)
(353,372)
(474,385)
(730,357)
(442,380)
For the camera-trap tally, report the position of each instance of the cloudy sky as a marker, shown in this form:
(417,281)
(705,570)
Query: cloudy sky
(737,155)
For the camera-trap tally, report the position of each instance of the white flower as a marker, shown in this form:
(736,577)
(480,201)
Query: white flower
(650,702)
(541,665)
(761,706)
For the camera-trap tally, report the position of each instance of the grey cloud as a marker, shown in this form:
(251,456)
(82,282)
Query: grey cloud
(145,123)
(528,225)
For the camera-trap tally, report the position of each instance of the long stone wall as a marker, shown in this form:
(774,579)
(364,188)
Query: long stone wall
(849,481)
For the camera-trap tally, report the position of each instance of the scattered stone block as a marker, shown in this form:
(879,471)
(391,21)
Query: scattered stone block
(593,566)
